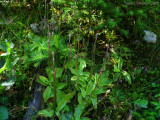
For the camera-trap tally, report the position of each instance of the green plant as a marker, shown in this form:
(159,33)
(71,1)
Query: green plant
(7,81)
(118,62)
(8,55)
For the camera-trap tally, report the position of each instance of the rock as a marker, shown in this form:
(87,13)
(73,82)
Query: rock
(150,37)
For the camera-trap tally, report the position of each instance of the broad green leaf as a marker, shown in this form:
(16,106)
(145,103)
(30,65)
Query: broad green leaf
(90,87)
(83,79)
(3,113)
(60,86)
(74,78)
(99,91)
(78,111)
(142,103)
(116,76)
(154,103)
(79,98)
(61,105)
(82,64)
(70,64)
(73,71)
(94,102)
(49,72)
(127,76)
(157,107)
(157,95)
(66,116)
(120,62)
(105,74)
(59,96)
(116,69)
(59,72)
(47,93)
(46,113)
(83,92)
(104,80)
(43,80)
(66,108)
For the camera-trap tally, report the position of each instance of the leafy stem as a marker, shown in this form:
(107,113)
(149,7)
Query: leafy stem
(107,92)
(96,83)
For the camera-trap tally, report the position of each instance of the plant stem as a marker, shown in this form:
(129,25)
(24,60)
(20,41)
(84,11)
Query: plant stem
(45,16)
(49,47)
(65,69)
(107,92)
(94,49)
(54,78)
(76,67)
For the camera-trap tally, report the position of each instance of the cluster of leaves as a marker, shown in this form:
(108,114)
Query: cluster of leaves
(80,88)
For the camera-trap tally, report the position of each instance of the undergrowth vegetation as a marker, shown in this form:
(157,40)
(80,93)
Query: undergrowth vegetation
(89,59)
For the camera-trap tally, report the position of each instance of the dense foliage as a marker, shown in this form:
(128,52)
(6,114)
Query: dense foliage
(89,59)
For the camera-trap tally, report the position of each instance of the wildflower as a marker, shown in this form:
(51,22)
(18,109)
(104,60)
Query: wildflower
(107,92)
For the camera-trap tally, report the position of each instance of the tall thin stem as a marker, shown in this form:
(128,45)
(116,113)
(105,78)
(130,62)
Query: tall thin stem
(54,78)
(49,47)
(76,67)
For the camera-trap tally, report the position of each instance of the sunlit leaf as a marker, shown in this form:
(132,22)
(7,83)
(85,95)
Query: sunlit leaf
(127,76)
(46,113)
(60,86)
(120,62)
(74,78)
(43,80)
(116,69)
(82,64)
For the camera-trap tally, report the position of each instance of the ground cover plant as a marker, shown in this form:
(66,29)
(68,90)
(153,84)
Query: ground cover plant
(79,60)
